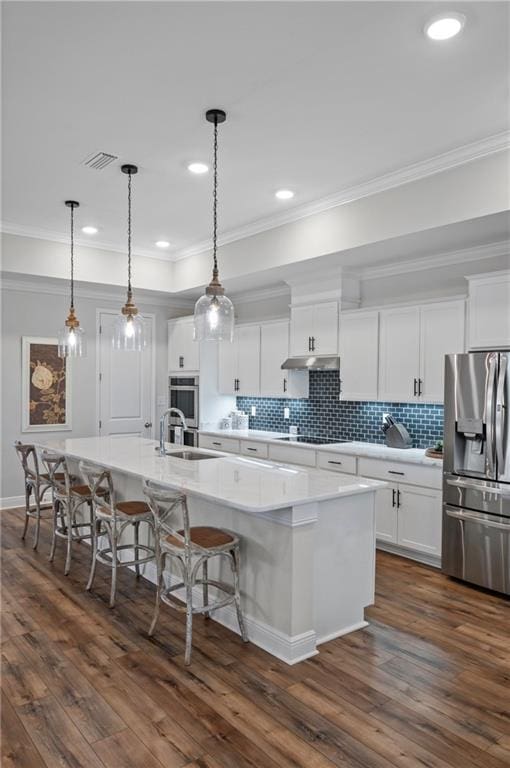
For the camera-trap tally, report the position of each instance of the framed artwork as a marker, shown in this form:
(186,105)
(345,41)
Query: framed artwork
(46,385)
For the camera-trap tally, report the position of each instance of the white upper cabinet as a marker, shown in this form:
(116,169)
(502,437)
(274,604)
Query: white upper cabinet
(489,311)
(183,350)
(359,355)
(314,328)
(399,354)
(414,342)
(441,333)
(274,349)
(239,362)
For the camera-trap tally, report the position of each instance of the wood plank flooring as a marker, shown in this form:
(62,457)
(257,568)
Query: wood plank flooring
(426,684)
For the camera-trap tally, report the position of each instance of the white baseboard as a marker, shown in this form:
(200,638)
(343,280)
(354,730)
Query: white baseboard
(288,648)
(341,632)
(11,502)
(410,554)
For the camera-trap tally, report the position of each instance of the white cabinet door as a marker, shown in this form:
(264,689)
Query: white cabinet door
(183,350)
(386,514)
(441,333)
(489,312)
(301,330)
(248,360)
(274,349)
(359,355)
(227,366)
(419,519)
(399,360)
(325,329)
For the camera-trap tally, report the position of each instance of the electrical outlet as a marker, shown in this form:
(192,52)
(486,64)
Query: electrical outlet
(254,410)
(286,413)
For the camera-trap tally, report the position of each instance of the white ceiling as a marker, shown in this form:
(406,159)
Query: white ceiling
(320,97)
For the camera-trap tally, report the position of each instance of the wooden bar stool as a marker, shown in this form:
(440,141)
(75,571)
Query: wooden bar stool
(36,485)
(69,497)
(115,517)
(192,547)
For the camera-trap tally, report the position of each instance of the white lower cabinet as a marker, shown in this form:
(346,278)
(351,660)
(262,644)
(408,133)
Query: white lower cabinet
(386,514)
(228,444)
(419,519)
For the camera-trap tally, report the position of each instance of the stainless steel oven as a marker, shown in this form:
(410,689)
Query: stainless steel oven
(189,437)
(183,395)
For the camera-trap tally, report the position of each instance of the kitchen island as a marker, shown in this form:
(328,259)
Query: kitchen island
(307,535)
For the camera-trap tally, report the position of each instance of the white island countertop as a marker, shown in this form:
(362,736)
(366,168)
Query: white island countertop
(352,447)
(242,482)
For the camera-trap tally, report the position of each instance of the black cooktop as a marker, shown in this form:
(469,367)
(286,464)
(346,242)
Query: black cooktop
(311,440)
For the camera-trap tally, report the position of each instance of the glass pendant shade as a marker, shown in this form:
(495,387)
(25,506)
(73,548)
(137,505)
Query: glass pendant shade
(72,342)
(129,333)
(214,318)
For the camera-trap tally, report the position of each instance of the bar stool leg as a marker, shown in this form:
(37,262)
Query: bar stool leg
(137,566)
(205,586)
(54,537)
(38,518)
(189,618)
(235,570)
(28,491)
(160,569)
(95,533)
(113,538)
(69,516)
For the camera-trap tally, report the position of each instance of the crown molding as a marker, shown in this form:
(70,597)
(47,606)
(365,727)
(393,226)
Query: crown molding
(261,294)
(465,154)
(22,230)
(476,253)
(48,287)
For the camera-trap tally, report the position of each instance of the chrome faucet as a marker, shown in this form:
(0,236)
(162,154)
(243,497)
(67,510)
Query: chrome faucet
(162,422)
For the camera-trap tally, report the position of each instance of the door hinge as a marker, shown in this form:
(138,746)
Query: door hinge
(100,377)
(100,329)
(100,423)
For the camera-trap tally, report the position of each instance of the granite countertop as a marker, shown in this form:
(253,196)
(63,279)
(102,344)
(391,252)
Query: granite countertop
(241,482)
(352,448)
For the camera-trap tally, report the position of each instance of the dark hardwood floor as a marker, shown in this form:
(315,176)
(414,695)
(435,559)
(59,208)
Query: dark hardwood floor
(426,684)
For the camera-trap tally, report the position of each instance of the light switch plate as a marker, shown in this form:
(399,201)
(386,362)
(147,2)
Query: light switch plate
(286,413)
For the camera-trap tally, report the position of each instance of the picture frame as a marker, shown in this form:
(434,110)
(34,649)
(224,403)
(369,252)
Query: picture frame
(46,386)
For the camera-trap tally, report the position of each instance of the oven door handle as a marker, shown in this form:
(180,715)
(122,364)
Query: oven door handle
(493,491)
(473,517)
(184,387)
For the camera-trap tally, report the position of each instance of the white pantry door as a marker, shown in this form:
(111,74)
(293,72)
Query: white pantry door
(126,383)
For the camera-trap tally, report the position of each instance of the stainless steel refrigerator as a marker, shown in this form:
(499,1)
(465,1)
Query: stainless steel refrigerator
(476,485)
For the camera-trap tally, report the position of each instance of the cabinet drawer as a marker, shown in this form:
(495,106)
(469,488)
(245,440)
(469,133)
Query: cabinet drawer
(336,462)
(254,448)
(214,443)
(415,474)
(291,455)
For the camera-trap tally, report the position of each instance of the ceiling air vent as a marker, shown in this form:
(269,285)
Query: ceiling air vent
(99,160)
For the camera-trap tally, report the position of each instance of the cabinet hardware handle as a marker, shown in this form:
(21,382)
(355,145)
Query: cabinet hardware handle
(415,388)
(335,462)
(181,362)
(309,343)
(285,385)
(420,382)
(252,449)
(313,343)
(398,499)
(394,472)
(216,443)
(393,493)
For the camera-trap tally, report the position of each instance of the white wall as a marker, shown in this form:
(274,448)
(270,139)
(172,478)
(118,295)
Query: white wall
(28,313)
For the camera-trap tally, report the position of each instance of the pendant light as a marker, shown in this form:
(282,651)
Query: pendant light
(214,312)
(71,338)
(129,327)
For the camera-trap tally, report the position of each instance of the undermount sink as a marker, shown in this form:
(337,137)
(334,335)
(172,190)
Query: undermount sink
(190,455)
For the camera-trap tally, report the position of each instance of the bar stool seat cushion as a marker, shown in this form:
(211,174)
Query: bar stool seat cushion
(203,536)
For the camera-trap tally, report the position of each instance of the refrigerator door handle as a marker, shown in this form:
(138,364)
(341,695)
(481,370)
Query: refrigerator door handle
(501,413)
(489,416)
(473,486)
(474,517)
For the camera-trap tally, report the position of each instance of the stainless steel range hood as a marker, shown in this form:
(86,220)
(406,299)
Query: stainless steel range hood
(312,363)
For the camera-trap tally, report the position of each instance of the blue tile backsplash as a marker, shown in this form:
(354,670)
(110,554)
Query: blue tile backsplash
(323,414)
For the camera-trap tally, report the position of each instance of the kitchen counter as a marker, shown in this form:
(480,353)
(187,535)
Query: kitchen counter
(307,536)
(352,448)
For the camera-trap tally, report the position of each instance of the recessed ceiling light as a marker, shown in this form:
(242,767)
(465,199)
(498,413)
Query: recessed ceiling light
(445,26)
(284,194)
(89,230)
(198,168)
(162,243)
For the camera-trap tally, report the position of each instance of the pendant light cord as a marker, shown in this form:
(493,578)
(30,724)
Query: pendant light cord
(72,257)
(129,235)
(215,200)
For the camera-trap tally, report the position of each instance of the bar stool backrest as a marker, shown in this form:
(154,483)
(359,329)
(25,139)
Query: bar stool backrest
(29,461)
(55,464)
(170,512)
(101,486)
